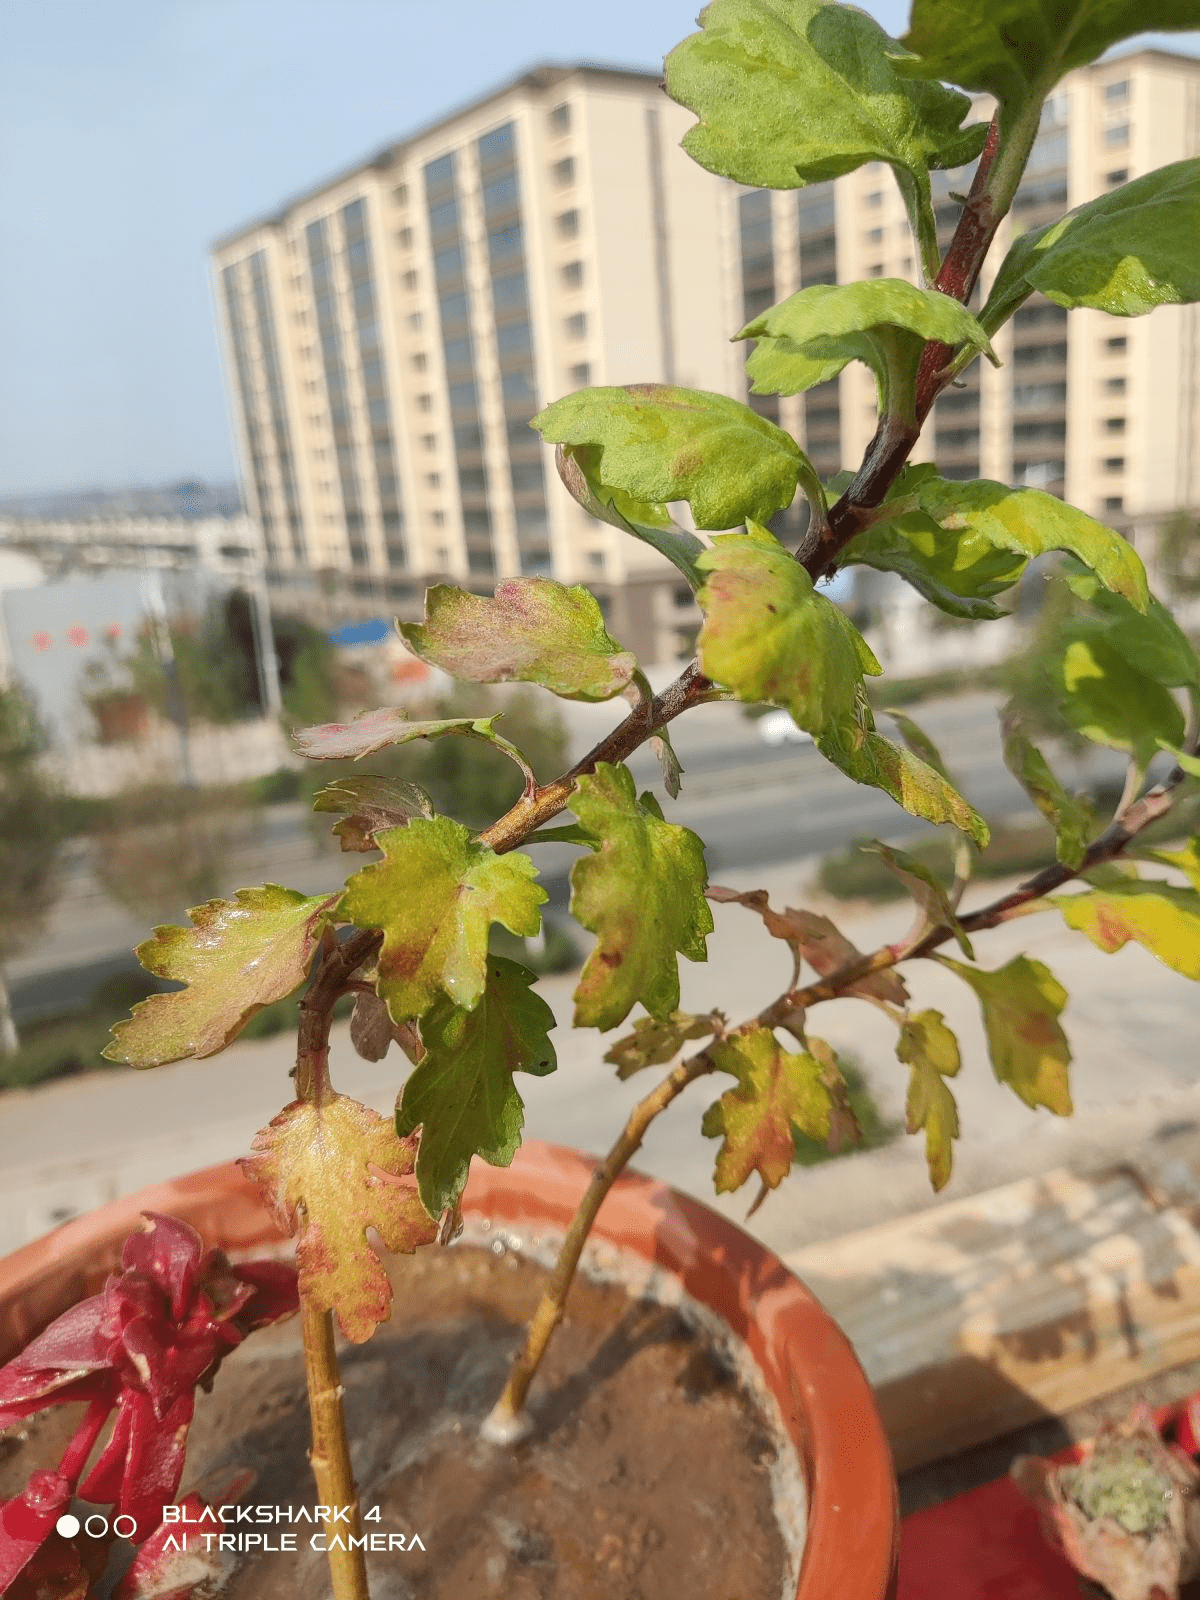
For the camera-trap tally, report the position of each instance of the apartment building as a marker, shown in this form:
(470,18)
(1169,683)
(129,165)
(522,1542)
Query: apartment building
(390,333)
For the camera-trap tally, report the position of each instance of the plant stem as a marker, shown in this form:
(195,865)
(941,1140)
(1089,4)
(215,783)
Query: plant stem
(506,1422)
(330,1454)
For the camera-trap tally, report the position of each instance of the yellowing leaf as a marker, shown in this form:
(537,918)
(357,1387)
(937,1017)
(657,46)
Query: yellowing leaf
(927,1045)
(1186,860)
(435,895)
(769,635)
(778,1094)
(534,631)
(641,893)
(238,956)
(1162,918)
(652,1042)
(1110,701)
(658,443)
(368,804)
(1021,1004)
(867,757)
(462,1096)
(330,1172)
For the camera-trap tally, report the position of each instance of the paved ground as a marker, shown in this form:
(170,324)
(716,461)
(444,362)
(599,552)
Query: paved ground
(1132,1023)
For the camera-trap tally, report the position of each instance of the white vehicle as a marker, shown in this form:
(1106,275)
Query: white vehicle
(777,728)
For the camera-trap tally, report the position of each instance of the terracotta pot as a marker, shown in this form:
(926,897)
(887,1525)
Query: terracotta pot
(120,717)
(805,1359)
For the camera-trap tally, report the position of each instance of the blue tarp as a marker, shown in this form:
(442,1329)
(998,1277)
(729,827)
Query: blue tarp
(373,632)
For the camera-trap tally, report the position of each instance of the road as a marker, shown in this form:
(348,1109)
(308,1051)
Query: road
(752,805)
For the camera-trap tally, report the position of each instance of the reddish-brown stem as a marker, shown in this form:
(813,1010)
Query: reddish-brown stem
(334,976)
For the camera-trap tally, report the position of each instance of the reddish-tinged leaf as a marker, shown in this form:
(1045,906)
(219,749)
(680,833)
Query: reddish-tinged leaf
(372,1031)
(238,956)
(330,1172)
(27,1522)
(817,940)
(435,895)
(927,1045)
(1162,918)
(368,804)
(376,730)
(778,1094)
(1021,1005)
(651,1042)
(534,631)
(930,896)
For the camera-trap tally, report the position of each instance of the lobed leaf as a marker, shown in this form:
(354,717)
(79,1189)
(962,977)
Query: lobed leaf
(884,322)
(579,468)
(1021,1004)
(768,634)
(1160,917)
(462,1095)
(330,1171)
(534,631)
(1109,701)
(641,893)
(368,804)
(435,895)
(778,1094)
(1186,860)
(238,956)
(1125,252)
(1068,814)
(1014,48)
(929,895)
(659,443)
(928,1046)
(791,92)
(815,939)
(653,1042)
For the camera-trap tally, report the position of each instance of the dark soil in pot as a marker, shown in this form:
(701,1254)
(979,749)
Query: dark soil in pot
(652,1472)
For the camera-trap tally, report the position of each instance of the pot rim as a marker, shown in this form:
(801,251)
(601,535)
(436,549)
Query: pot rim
(825,1402)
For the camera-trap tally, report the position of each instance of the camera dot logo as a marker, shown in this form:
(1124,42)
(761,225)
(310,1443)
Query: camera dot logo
(67,1525)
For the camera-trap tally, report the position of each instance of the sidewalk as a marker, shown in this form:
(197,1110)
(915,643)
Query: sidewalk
(73,1145)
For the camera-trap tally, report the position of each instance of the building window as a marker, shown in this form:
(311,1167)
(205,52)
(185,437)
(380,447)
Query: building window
(1115,179)
(567,224)
(577,325)
(564,171)
(409,279)
(400,194)
(1114,463)
(875,270)
(420,361)
(1120,342)
(1114,502)
(438,518)
(874,235)
(424,402)
(572,274)
(496,144)
(581,374)
(405,238)
(1114,424)
(505,242)
(1115,385)
(513,338)
(1117,90)
(559,120)
(433,480)
(415,319)
(596,560)
(429,441)
(875,198)
(1117,135)
(501,194)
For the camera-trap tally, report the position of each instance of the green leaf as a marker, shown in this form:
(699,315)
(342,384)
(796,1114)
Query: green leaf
(462,1095)
(791,92)
(1068,815)
(1159,916)
(435,895)
(331,1170)
(642,894)
(927,1045)
(1125,252)
(930,896)
(778,1094)
(238,956)
(815,939)
(534,631)
(652,1042)
(368,804)
(1184,759)
(659,443)
(1109,701)
(867,757)
(769,635)
(1021,1004)
(579,468)
(1011,48)
(1150,641)
(884,322)
(919,742)
(1029,523)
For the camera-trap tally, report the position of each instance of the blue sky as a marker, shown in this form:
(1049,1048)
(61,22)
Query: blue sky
(133,132)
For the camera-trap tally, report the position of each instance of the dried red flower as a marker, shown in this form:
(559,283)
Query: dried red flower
(160,1327)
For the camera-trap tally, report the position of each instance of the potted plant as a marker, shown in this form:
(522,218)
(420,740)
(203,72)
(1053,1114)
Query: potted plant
(786,92)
